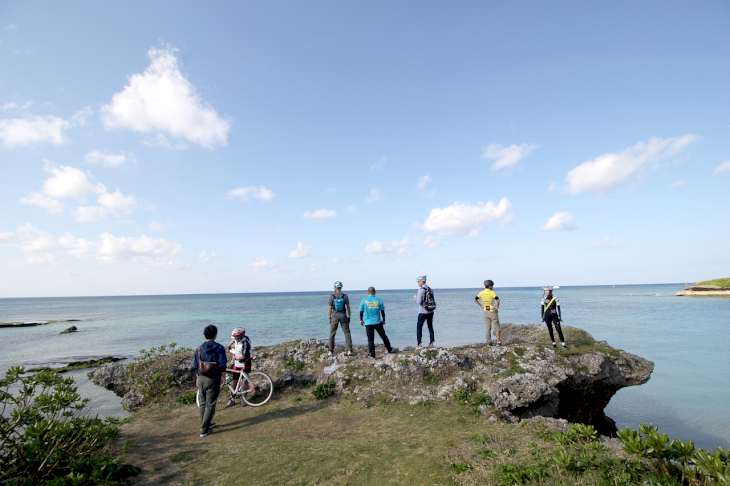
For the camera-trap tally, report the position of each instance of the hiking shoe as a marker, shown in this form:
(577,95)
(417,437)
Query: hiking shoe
(231,402)
(499,343)
(329,353)
(432,345)
(565,347)
(205,434)
(555,346)
(419,346)
(392,351)
(350,353)
(212,426)
(489,343)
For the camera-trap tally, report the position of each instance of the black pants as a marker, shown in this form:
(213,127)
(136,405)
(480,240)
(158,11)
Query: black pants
(419,327)
(551,319)
(370,330)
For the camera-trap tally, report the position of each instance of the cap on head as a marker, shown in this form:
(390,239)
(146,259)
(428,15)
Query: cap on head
(338,285)
(551,287)
(421,278)
(488,283)
(238,332)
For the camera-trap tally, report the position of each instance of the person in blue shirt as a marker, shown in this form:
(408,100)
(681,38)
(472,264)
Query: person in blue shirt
(372,316)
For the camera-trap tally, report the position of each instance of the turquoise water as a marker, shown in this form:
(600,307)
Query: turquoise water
(688,395)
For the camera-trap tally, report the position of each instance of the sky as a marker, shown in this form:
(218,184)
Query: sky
(223,147)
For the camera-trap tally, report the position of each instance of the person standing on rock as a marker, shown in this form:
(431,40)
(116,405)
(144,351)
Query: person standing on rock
(209,362)
(490,304)
(338,311)
(424,314)
(372,316)
(550,312)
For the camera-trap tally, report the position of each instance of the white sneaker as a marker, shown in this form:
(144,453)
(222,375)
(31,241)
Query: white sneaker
(419,346)
(350,353)
(329,353)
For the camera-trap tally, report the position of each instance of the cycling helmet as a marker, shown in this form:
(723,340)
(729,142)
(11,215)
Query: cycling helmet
(238,332)
(488,283)
(338,285)
(421,278)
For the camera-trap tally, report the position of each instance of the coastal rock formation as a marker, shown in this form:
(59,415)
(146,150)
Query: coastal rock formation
(705,290)
(524,378)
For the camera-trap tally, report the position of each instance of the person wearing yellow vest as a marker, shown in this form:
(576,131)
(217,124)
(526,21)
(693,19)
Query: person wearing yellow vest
(550,312)
(490,304)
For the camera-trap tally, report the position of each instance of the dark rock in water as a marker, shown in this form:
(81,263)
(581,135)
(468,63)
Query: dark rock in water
(69,330)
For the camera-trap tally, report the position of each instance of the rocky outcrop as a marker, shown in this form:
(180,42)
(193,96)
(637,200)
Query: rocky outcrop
(705,290)
(524,378)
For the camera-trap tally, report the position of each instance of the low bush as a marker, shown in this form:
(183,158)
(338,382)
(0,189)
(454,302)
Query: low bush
(187,398)
(46,436)
(324,390)
(294,365)
(149,373)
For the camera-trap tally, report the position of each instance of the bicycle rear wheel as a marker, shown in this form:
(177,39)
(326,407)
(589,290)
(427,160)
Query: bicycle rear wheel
(260,388)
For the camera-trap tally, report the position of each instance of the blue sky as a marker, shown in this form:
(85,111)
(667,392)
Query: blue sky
(190,147)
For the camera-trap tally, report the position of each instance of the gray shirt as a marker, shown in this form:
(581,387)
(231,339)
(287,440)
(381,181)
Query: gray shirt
(419,299)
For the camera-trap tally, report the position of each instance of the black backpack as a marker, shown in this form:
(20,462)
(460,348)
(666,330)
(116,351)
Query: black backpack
(429,303)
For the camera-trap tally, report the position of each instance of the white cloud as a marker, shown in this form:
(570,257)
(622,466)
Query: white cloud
(107,159)
(108,248)
(351,210)
(71,183)
(52,206)
(110,204)
(432,242)
(677,184)
(422,181)
(610,171)
(36,129)
(724,167)
(300,251)
(263,264)
(374,196)
(560,221)
(607,242)
(402,247)
(380,165)
(16,132)
(157,226)
(205,257)
(507,156)
(313,267)
(43,259)
(162,102)
(462,219)
(320,214)
(249,192)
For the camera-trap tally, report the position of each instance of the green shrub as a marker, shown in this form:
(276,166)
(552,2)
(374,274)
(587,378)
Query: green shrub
(430,354)
(150,372)
(294,365)
(324,390)
(46,436)
(431,379)
(460,467)
(187,398)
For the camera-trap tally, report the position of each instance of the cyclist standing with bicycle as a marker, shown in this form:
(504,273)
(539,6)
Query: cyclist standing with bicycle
(240,347)
(209,362)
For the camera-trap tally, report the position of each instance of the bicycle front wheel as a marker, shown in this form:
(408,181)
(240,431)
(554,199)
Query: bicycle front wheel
(259,389)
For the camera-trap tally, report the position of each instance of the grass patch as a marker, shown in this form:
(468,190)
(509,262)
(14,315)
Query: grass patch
(720,282)
(294,365)
(186,398)
(431,378)
(514,369)
(430,354)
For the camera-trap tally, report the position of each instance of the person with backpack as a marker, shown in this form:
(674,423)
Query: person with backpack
(550,312)
(490,303)
(372,316)
(426,306)
(209,361)
(339,314)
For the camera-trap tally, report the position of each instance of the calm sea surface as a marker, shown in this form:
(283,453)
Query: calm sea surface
(688,395)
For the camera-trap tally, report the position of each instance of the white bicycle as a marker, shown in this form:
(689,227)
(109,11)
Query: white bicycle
(254,388)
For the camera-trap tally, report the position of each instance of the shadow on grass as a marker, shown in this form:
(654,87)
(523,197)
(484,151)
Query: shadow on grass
(276,414)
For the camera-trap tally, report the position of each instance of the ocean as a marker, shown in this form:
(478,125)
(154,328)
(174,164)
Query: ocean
(687,396)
